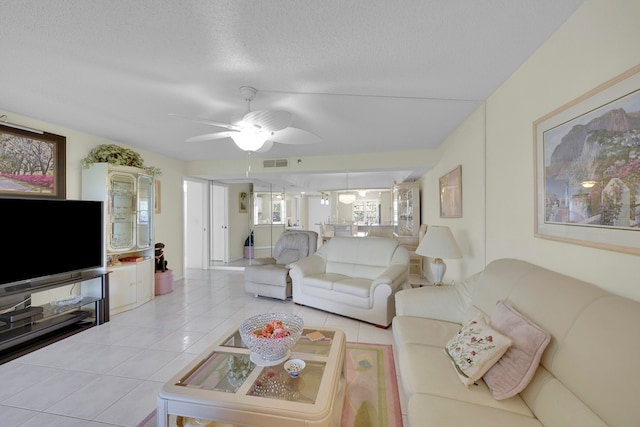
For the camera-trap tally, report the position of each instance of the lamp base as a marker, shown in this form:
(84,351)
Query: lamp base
(438,268)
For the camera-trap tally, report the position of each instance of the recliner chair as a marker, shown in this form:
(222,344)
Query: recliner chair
(270,278)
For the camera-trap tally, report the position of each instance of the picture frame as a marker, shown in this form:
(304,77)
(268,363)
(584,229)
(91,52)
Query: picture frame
(450,191)
(587,168)
(33,163)
(157,196)
(242,202)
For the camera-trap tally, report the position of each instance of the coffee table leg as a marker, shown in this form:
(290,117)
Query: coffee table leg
(162,416)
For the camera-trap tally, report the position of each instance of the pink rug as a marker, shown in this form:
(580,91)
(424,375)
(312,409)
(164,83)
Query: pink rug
(371,398)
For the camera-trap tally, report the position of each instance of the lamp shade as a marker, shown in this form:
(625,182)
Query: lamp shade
(439,242)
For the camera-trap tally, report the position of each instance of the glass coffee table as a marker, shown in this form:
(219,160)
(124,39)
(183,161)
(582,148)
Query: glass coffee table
(223,384)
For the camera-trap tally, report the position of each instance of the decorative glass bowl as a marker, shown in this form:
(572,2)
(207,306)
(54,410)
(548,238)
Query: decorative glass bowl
(271,349)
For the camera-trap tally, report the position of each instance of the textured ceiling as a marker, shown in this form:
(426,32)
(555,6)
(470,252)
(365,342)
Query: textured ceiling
(363,75)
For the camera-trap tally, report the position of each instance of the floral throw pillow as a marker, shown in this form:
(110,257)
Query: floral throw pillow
(475,349)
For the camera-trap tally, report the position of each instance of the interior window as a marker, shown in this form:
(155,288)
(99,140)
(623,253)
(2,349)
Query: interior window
(366,212)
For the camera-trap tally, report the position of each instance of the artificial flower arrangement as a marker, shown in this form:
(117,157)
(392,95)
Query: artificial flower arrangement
(273,329)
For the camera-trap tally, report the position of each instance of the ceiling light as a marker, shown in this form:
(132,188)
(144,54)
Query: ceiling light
(347,198)
(250,139)
(362,193)
(588,184)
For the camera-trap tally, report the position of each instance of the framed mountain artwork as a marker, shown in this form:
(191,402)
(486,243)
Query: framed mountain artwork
(587,166)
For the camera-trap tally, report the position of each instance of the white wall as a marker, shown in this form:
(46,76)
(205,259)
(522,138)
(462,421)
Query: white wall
(597,43)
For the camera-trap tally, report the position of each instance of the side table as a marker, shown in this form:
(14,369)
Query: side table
(418,281)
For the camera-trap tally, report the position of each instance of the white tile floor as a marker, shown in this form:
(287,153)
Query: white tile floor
(109,375)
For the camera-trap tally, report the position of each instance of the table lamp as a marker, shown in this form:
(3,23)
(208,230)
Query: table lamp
(438,243)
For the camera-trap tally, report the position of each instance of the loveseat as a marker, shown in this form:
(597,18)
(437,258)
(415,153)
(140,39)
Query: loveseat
(356,277)
(587,373)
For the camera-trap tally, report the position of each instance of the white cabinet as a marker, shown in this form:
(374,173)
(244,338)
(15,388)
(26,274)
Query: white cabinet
(122,288)
(130,285)
(128,200)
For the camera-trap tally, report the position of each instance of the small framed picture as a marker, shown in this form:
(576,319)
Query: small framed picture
(451,194)
(242,202)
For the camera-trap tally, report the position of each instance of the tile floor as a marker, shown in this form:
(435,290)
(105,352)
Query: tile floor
(109,375)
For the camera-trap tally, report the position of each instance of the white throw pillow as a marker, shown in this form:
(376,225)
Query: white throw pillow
(475,349)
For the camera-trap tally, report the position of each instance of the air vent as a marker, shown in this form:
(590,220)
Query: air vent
(275,163)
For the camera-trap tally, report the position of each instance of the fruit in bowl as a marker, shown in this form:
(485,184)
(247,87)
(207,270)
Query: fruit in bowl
(271,335)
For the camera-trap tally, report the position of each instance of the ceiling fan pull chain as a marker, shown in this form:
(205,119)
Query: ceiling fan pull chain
(248,163)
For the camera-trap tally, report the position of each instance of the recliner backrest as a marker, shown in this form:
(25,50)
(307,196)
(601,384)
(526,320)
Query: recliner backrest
(294,245)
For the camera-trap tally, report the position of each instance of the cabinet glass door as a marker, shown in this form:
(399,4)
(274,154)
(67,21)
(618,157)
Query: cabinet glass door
(406,212)
(121,214)
(145,204)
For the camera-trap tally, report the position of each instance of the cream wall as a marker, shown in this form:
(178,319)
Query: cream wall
(597,43)
(168,223)
(464,147)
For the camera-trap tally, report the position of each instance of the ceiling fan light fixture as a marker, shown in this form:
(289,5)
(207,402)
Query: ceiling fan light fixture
(250,139)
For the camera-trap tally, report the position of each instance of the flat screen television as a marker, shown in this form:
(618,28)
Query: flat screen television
(49,237)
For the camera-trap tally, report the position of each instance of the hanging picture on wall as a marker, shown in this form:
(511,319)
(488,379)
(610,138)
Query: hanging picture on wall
(587,165)
(450,187)
(32,163)
(242,202)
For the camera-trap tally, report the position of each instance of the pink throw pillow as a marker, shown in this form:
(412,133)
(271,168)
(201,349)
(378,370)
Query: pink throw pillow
(515,369)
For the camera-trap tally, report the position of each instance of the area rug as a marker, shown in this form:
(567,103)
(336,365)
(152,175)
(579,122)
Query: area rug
(371,398)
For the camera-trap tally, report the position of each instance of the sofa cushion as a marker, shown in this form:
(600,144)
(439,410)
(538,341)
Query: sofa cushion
(353,286)
(427,370)
(323,281)
(512,373)
(420,330)
(475,348)
(427,410)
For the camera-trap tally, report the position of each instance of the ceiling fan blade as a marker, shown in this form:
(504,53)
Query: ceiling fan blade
(208,122)
(294,136)
(266,147)
(269,121)
(211,136)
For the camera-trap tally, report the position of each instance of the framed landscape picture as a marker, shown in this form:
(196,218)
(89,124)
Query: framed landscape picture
(32,163)
(587,166)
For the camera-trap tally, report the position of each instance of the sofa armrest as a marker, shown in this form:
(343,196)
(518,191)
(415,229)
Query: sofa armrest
(394,276)
(314,264)
(434,302)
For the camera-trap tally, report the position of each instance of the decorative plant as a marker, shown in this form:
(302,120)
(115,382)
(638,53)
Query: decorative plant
(116,155)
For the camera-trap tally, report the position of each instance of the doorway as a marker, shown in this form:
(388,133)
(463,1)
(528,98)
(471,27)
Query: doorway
(196,216)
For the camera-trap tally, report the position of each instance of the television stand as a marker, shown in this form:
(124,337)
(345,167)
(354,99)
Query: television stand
(30,328)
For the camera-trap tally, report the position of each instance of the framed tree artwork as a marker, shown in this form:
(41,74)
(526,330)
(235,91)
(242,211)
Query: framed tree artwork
(32,163)
(587,168)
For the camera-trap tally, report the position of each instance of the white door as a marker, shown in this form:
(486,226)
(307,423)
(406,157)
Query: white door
(196,215)
(219,224)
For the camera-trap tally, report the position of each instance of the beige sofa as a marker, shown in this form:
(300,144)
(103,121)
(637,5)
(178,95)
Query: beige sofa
(588,374)
(353,276)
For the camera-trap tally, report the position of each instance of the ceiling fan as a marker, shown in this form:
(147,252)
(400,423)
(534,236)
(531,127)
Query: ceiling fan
(255,131)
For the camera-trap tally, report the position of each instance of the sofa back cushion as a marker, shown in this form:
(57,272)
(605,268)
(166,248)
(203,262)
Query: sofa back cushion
(362,257)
